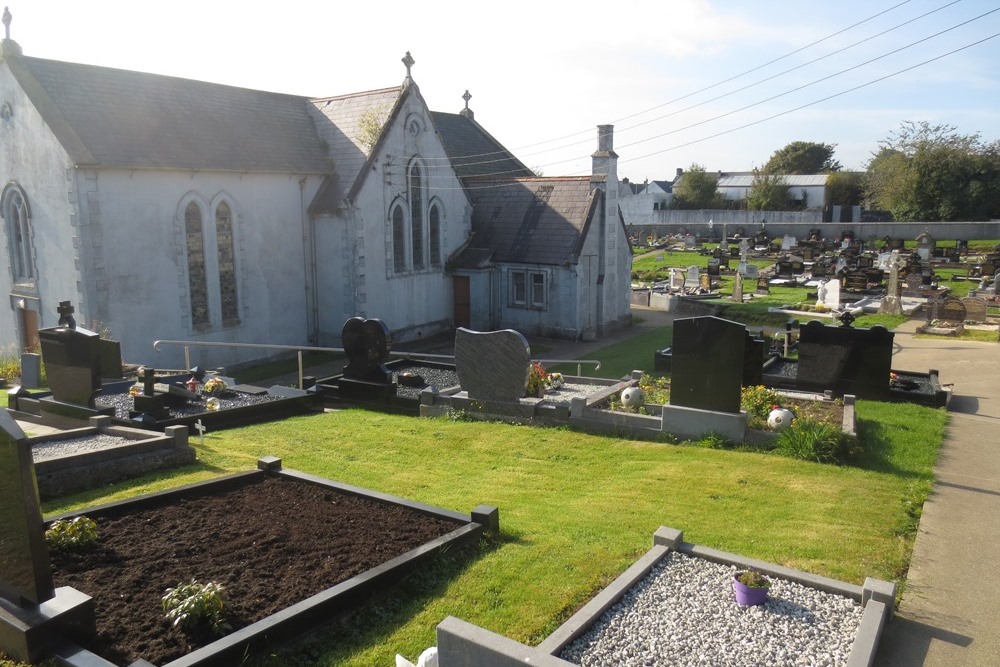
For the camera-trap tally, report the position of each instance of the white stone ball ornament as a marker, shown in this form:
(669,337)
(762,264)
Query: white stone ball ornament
(779,419)
(633,397)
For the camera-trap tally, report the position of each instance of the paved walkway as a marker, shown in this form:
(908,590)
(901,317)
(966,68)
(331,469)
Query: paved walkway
(950,612)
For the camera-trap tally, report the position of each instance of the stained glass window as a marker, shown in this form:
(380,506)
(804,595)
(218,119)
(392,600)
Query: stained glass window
(398,240)
(15,212)
(434,222)
(416,187)
(227,264)
(196,266)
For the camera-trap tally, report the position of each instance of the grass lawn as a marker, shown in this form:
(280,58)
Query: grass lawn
(577,509)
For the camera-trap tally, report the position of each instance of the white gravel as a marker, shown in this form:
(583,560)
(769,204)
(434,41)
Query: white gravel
(54,449)
(683,613)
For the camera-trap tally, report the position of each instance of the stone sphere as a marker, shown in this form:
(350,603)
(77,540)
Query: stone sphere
(633,397)
(779,419)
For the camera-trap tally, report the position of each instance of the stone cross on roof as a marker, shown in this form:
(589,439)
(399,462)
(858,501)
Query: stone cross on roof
(409,62)
(6,21)
(466,97)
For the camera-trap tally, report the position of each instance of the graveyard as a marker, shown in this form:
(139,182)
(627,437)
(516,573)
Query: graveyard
(545,477)
(582,467)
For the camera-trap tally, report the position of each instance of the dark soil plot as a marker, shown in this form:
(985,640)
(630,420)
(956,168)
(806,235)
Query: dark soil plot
(271,543)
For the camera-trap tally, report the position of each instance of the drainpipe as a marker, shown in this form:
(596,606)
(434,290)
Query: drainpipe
(309,252)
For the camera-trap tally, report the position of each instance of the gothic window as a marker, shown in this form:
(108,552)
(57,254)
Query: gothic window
(15,212)
(227,264)
(198,289)
(434,224)
(398,240)
(416,190)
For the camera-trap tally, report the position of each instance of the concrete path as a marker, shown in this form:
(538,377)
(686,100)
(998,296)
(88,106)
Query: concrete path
(950,611)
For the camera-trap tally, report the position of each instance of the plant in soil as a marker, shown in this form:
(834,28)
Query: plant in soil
(194,606)
(753,579)
(76,534)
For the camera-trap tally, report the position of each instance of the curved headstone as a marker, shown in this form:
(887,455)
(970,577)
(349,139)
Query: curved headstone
(366,344)
(492,365)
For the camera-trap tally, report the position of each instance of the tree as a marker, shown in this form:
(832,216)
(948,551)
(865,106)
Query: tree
(803,157)
(769,192)
(845,188)
(696,189)
(927,172)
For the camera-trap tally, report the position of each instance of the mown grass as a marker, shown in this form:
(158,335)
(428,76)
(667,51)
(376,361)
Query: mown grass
(577,509)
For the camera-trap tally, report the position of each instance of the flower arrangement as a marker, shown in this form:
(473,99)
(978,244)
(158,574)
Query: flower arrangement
(213,386)
(537,379)
(555,380)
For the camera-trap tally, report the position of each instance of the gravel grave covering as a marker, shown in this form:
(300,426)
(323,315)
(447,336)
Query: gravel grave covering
(684,613)
(229,399)
(54,449)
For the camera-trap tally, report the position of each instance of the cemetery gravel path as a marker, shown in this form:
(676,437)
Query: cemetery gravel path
(950,610)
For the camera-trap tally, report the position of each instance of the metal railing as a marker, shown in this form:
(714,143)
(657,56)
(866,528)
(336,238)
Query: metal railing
(299,349)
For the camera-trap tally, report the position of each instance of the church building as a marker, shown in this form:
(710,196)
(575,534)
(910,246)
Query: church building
(167,208)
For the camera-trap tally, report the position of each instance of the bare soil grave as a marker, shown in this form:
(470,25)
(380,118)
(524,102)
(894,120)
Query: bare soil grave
(271,543)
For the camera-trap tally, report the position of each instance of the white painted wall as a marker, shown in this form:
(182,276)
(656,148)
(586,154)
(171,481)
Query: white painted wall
(31,156)
(413,304)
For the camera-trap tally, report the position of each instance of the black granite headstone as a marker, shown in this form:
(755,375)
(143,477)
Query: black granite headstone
(845,360)
(707,363)
(72,364)
(366,344)
(753,360)
(25,576)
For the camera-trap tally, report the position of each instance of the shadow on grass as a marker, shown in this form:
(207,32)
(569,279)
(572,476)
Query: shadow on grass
(380,616)
(129,487)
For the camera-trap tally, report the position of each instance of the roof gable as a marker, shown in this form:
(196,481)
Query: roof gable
(120,118)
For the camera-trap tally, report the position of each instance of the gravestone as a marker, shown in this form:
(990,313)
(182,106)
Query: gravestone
(819,269)
(72,360)
(788,242)
(676,280)
(751,272)
(492,365)
(753,360)
(763,286)
(692,280)
(25,577)
(855,282)
(707,364)
(797,267)
(913,285)
(925,246)
(874,277)
(865,262)
(738,288)
(150,402)
(689,241)
(705,283)
(31,370)
(783,269)
(951,310)
(975,309)
(845,360)
(366,344)
(713,269)
(807,254)
(829,294)
(891,304)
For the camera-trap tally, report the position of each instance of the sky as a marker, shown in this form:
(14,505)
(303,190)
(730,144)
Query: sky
(718,83)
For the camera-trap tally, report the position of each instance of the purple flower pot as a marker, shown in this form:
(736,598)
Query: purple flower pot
(748,596)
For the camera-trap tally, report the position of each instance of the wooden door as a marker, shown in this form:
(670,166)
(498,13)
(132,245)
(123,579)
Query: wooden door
(463,302)
(29,331)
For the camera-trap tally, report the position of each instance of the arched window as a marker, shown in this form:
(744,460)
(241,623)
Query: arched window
(15,212)
(195,243)
(398,239)
(227,264)
(434,224)
(416,190)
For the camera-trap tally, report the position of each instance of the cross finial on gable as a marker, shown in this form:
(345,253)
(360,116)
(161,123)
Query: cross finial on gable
(467,97)
(467,112)
(409,62)
(6,21)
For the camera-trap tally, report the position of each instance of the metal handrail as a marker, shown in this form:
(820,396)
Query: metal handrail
(299,349)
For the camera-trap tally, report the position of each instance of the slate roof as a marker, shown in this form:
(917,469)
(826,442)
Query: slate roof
(120,118)
(473,151)
(528,220)
(340,125)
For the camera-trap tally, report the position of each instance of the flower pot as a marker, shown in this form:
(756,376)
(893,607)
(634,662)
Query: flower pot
(748,596)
